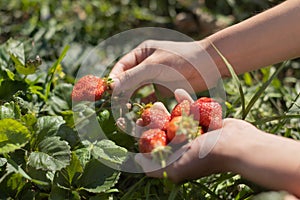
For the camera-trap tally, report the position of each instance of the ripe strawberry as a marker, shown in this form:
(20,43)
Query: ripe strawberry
(180,108)
(208,112)
(155,118)
(153,143)
(182,128)
(151,139)
(89,88)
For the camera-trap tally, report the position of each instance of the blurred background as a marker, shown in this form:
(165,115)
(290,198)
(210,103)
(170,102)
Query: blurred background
(49,25)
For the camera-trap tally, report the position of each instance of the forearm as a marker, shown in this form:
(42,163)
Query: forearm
(267,38)
(268,160)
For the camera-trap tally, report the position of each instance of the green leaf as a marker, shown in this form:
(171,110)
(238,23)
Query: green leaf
(109,153)
(83,155)
(248,79)
(47,126)
(13,135)
(29,119)
(234,76)
(51,71)
(261,90)
(97,177)
(54,154)
(15,183)
(58,193)
(74,168)
(279,117)
(17,48)
(60,98)
(68,134)
(12,167)
(10,74)
(8,88)
(3,161)
(10,110)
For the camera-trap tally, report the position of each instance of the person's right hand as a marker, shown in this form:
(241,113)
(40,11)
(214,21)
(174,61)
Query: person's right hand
(171,64)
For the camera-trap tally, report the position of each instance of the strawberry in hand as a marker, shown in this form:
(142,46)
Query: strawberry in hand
(153,143)
(183,128)
(181,108)
(90,88)
(154,117)
(208,112)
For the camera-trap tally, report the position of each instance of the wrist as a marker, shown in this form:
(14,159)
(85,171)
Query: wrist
(206,44)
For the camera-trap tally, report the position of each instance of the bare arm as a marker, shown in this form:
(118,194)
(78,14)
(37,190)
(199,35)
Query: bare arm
(267,38)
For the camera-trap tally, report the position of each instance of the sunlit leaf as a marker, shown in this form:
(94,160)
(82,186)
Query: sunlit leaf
(13,135)
(10,110)
(109,153)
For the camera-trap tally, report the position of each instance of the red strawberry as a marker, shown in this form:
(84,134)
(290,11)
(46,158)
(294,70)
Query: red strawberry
(208,112)
(153,143)
(180,108)
(151,139)
(89,88)
(155,118)
(182,128)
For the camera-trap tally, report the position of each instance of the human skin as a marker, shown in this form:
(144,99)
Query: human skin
(237,147)
(267,38)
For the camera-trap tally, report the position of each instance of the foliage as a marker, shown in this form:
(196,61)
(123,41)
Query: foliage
(42,155)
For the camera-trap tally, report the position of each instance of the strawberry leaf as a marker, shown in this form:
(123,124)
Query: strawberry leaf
(10,110)
(54,154)
(109,153)
(47,126)
(98,177)
(13,135)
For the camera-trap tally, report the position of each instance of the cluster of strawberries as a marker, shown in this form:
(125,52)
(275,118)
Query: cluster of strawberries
(187,120)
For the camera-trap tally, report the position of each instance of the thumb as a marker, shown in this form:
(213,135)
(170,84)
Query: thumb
(181,95)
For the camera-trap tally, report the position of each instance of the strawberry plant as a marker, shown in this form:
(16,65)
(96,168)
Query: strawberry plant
(48,152)
(47,148)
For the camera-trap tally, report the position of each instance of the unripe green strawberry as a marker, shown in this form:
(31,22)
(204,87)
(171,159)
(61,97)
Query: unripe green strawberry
(208,112)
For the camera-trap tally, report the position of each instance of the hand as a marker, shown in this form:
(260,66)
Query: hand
(209,153)
(196,159)
(170,64)
(237,147)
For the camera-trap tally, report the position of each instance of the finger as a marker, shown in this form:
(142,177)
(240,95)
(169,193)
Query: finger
(134,78)
(160,106)
(132,59)
(181,94)
(150,167)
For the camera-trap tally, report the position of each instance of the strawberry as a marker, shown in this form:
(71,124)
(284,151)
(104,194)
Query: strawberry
(180,108)
(182,128)
(153,143)
(89,88)
(208,112)
(151,139)
(155,118)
